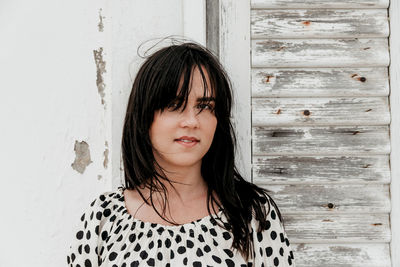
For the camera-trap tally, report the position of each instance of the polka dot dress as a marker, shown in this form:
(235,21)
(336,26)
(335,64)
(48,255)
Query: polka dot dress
(107,235)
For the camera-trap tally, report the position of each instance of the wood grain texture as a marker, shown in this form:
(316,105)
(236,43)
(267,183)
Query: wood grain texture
(371,169)
(394,70)
(317,23)
(320,111)
(341,255)
(319,82)
(328,140)
(320,53)
(234,18)
(333,198)
(337,228)
(319,4)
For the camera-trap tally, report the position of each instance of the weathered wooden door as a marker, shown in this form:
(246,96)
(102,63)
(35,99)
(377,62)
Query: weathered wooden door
(313,91)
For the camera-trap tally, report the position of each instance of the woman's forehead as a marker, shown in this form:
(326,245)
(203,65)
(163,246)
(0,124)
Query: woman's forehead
(199,85)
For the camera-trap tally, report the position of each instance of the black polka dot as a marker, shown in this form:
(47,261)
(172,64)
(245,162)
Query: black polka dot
(112,256)
(273,215)
(181,250)
(268,251)
(276,261)
(88,263)
(150,262)
(273,235)
(216,259)
(268,225)
(189,244)
(228,252)
(259,236)
(143,254)
(199,253)
(229,263)
(79,235)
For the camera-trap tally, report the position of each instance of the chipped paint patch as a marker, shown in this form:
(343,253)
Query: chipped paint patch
(106,151)
(100,25)
(82,156)
(101,69)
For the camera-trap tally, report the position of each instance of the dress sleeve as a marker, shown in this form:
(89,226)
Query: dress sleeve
(83,250)
(272,246)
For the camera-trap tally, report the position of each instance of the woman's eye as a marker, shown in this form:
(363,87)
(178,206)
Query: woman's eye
(173,105)
(205,106)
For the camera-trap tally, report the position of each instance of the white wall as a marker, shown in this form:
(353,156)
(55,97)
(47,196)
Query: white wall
(52,90)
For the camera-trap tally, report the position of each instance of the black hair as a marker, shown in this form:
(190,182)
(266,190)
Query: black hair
(155,88)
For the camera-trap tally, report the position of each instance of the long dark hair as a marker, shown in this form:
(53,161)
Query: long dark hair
(155,88)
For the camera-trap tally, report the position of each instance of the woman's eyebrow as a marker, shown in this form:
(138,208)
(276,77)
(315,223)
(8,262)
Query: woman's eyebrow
(205,99)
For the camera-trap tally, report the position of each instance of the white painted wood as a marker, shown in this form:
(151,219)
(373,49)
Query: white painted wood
(317,23)
(319,4)
(235,56)
(337,228)
(194,20)
(394,70)
(320,53)
(320,111)
(341,255)
(321,140)
(332,198)
(371,169)
(310,82)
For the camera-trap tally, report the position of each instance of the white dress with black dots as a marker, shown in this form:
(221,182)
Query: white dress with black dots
(107,235)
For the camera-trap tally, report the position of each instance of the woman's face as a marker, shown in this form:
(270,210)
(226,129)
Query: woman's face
(182,138)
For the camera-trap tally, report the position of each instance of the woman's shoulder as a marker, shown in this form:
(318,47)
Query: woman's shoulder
(106,202)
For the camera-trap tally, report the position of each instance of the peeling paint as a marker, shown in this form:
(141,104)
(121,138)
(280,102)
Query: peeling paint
(82,156)
(101,69)
(106,151)
(100,25)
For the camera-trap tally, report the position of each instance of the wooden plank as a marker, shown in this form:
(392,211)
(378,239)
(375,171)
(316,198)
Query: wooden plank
(317,23)
(320,82)
(320,111)
(340,255)
(394,70)
(234,18)
(333,198)
(320,53)
(337,228)
(333,140)
(321,170)
(319,4)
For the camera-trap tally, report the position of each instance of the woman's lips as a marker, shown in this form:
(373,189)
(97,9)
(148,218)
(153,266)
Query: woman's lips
(187,142)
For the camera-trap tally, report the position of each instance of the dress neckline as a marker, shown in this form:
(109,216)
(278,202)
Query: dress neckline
(203,220)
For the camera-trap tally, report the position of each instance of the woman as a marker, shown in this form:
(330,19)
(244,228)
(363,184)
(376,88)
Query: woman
(183,203)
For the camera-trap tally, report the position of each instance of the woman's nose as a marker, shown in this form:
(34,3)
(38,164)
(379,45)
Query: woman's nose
(189,118)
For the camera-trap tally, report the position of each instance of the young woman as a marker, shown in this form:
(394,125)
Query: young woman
(184,203)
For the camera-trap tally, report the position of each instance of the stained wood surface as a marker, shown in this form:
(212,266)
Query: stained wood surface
(332,198)
(328,140)
(320,117)
(337,228)
(319,4)
(371,169)
(320,53)
(340,255)
(320,111)
(317,23)
(309,82)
